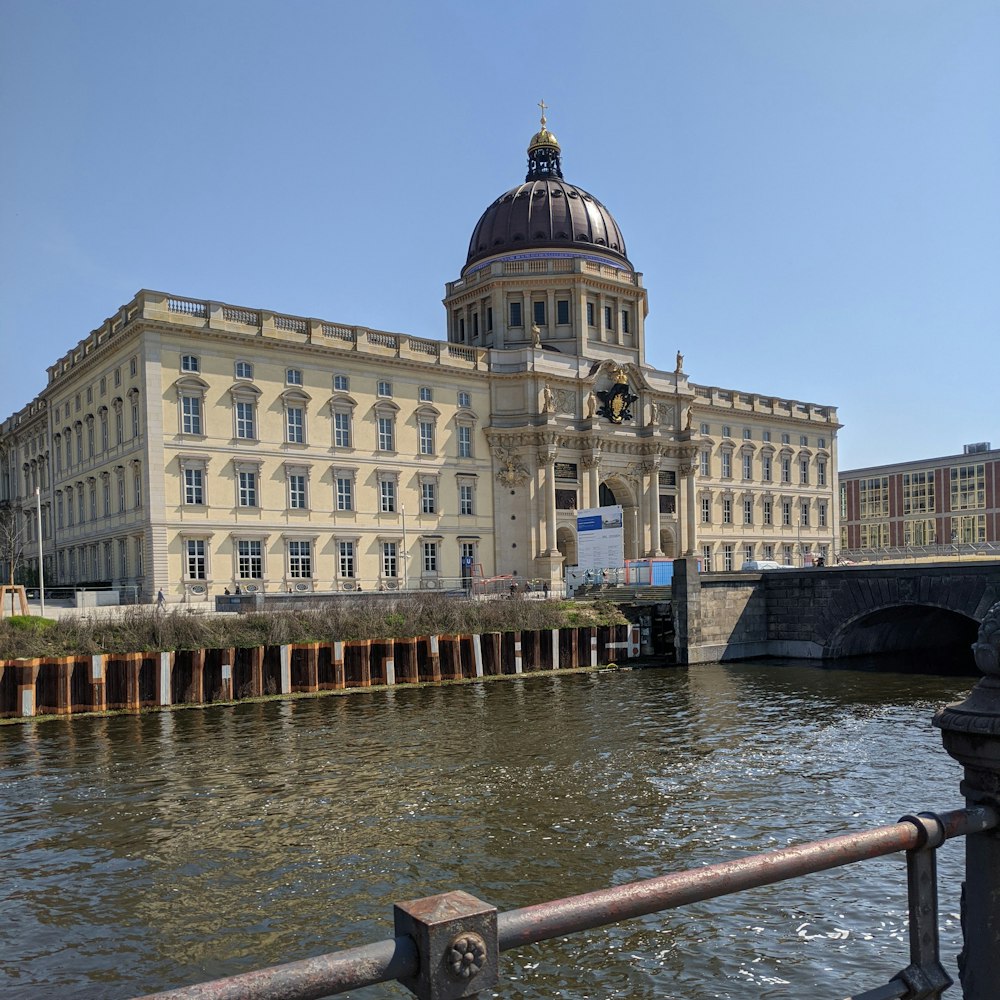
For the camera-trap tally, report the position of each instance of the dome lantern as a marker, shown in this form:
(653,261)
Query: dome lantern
(543,152)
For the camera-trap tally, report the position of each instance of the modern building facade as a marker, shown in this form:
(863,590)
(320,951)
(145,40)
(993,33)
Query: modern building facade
(927,506)
(191,445)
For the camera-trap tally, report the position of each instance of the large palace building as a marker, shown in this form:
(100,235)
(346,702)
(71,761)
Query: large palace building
(191,445)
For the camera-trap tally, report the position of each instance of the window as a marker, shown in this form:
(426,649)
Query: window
(489,319)
(245,420)
(608,318)
(247,489)
(538,313)
(293,376)
(244,369)
(820,442)
(804,514)
(874,497)
(118,376)
(822,514)
(105,495)
(387,495)
(385,433)
(727,510)
(766,471)
(769,552)
(467,552)
(389,559)
(190,414)
(345,558)
(704,459)
(136,492)
(475,325)
(190,363)
(747,510)
(194,486)
(803,441)
(786,554)
(135,420)
(464,441)
(465,400)
(295,425)
(968,489)
(786,470)
(727,431)
(426,437)
(590,314)
(820,473)
(385,389)
(804,471)
(300,560)
(727,465)
(766,437)
(250,559)
(79,443)
(425,394)
(460,323)
(122,557)
(90,437)
(297,491)
(133,366)
(430,557)
(919,532)
(786,512)
(727,558)
(428,498)
(515,314)
(706,558)
(104,385)
(785,439)
(465,503)
(195,558)
(874,536)
(121,491)
(345,493)
(706,510)
(705,429)
(119,428)
(93,502)
(843,500)
(624,321)
(748,553)
(341,383)
(746,433)
(104,433)
(748,466)
(562,312)
(342,429)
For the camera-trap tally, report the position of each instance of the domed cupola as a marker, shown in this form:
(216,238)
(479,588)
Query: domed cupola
(546,212)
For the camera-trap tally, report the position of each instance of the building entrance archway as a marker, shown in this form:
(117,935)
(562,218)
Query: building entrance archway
(616,490)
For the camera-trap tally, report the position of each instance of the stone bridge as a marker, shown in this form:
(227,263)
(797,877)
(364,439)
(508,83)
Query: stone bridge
(830,612)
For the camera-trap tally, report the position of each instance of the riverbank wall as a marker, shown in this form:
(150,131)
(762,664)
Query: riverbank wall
(135,682)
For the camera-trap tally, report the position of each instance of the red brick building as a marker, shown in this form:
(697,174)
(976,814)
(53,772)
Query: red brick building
(930,505)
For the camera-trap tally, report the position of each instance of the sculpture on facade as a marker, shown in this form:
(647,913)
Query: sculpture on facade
(617,401)
(592,402)
(536,336)
(680,363)
(548,399)
(689,422)
(654,414)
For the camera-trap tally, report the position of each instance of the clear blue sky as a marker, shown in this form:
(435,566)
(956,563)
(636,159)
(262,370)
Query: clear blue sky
(811,188)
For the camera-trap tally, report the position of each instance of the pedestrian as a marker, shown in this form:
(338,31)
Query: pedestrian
(238,591)
(225,590)
(545,589)
(161,601)
(513,587)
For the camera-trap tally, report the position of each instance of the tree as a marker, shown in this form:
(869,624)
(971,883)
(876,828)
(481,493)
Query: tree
(11,542)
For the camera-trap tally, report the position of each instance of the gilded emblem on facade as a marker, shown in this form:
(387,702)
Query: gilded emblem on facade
(616,402)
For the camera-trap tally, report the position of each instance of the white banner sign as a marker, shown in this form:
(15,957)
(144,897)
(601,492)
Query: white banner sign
(600,538)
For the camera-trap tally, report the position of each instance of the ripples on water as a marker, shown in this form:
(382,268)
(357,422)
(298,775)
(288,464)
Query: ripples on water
(151,851)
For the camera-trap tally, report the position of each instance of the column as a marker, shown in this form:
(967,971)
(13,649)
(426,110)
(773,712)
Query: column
(546,460)
(592,463)
(688,472)
(652,471)
(680,545)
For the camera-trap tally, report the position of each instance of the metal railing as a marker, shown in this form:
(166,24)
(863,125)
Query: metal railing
(448,946)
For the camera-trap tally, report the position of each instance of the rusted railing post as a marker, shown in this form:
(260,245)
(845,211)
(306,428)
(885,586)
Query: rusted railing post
(971,734)
(456,938)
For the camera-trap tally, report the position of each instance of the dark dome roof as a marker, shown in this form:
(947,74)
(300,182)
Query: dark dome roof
(545,211)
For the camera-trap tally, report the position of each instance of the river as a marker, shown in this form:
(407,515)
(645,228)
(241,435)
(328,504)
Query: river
(142,852)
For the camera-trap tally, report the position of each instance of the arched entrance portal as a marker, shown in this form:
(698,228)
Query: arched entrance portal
(667,543)
(566,544)
(616,490)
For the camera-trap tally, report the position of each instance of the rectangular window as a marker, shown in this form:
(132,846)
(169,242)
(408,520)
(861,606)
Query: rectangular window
(345,493)
(425,394)
(489,319)
(465,505)
(727,431)
(136,492)
(803,441)
(538,313)
(786,512)
(820,473)
(769,552)
(786,470)
(786,554)
(804,513)
(385,389)
(387,495)
(969,528)
(191,414)
(250,558)
(428,498)
(121,493)
(244,369)
(248,489)
(341,383)
(515,314)
(119,429)
(785,439)
(747,510)
(426,437)
(195,558)
(727,510)
(706,510)
(342,430)
(766,436)
(297,491)
(133,366)
(135,421)
(804,472)
(464,441)
(465,400)
(194,486)
(922,532)
(430,557)
(748,466)
(624,321)
(705,429)
(300,560)
(106,491)
(727,465)
(245,420)
(562,312)
(746,433)
(591,321)
(608,318)
(475,325)
(821,515)
(293,376)
(345,556)
(93,503)
(389,559)
(385,430)
(968,488)
(704,458)
(706,558)
(874,536)
(190,363)
(79,444)
(90,439)
(748,553)
(295,425)
(874,497)
(122,558)
(727,558)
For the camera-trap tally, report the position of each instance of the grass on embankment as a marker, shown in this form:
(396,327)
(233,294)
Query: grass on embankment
(143,629)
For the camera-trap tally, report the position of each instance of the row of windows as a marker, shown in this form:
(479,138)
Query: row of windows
(300,558)
(87,440)
(784,510)
(786,438)
(785,467)
(244,370)
(965,528)
(121,558)
(725,557)
(80,504)
(78,400)
(297,487)
(540,317)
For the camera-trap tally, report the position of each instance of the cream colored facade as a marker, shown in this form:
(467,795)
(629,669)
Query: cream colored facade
(192,446)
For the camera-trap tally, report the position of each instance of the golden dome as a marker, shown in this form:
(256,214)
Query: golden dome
(543,138)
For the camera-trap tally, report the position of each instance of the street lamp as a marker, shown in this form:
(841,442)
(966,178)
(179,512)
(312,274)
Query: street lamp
(41,558)
(403,511)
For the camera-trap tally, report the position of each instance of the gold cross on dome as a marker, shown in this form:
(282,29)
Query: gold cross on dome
(544,108)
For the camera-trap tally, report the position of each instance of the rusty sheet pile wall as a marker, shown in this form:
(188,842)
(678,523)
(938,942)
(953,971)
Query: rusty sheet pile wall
(132,682)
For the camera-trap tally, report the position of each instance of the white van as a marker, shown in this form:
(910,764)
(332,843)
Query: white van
(760,565)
